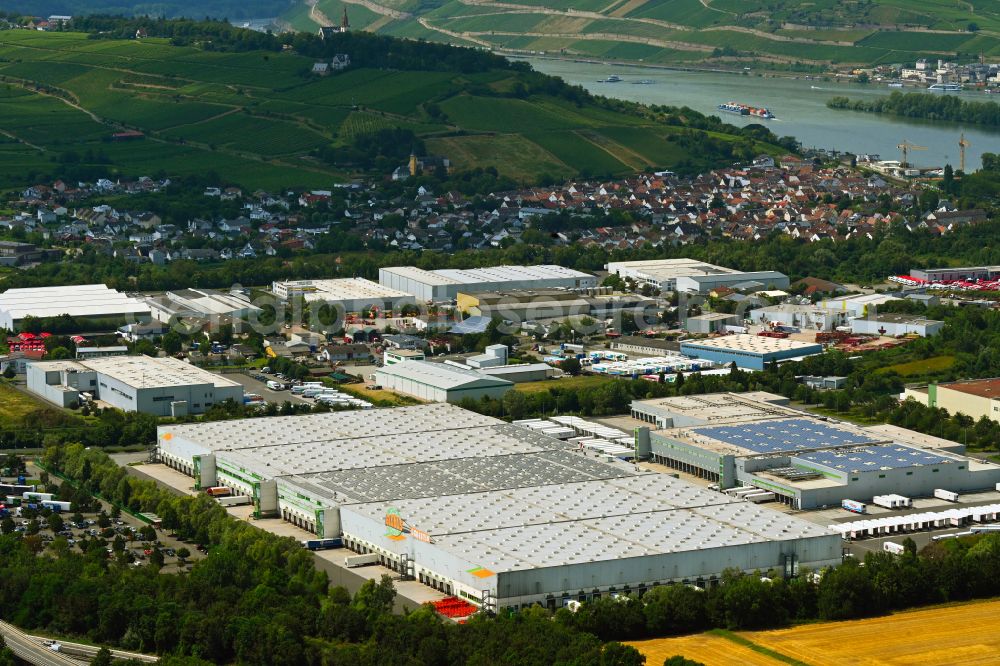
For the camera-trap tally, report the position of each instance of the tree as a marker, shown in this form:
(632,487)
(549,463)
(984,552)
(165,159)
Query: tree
(7,525)
(183,553)
(571,366)
(102,658)
(60,353)
(148,533)
(9,373)
(156,558)
(171,342)
(56,523)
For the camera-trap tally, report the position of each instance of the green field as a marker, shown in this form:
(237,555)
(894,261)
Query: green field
(258,119)
(926,366)
(959,27)
(565,383)
(15,405)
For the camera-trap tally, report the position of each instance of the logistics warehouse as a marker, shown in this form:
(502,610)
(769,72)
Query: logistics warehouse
(737,440)
(494,513)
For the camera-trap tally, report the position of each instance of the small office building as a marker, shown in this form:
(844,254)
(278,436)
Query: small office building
(752,352)
(711,322)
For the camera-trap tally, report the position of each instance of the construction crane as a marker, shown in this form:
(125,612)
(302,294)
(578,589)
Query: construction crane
(906,146)
(962,145)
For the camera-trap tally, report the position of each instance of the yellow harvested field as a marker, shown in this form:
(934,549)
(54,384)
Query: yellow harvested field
(709,649)
(963,634)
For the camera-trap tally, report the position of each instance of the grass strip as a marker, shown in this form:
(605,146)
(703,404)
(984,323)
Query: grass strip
(740,640)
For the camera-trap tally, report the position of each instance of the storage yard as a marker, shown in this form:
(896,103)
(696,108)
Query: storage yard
(494,513)
(959,635)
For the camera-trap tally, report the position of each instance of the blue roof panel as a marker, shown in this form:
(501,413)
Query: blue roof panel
(782,435)
(874,458)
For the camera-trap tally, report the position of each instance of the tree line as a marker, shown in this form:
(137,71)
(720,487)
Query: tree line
(946,571)
(926,106)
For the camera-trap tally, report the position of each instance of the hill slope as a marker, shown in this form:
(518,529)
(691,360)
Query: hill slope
(671,31)
(261,119)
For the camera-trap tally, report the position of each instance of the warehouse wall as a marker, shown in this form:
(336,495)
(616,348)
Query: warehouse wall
(533,585)
(669,451)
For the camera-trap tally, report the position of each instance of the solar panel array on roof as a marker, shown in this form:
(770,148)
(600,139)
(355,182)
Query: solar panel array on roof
(784,435)
(873,458)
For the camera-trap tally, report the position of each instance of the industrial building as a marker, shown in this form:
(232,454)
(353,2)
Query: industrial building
(158,386)
(896,325)
(977,398)
(805,317)
(964,273)
(861,305)
(807,462)
(541,304)
(753,352)
(446,284)
(88,304)
(200,304)
(440,382)
(691,275)
(641,345)
(488,511)
(711,322)
(350,294)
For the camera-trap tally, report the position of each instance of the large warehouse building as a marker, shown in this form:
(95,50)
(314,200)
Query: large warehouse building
(351,294)
(440,382)
(86,303)
(159,386)
(806,462)
(752,352)
(977,398)
(445,284)
(692,276)
(488,511)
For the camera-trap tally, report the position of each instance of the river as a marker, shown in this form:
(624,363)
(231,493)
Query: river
(798,104)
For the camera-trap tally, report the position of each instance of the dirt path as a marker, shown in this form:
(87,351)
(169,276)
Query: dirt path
(464,36)
(20,140)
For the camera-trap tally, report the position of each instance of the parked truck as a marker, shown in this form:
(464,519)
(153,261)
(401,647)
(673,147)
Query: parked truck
(233,500)
(854,506)
(892,501)
(893,547)
(218,491)
(946,495)
(361,560)
(325,544)
(57,506)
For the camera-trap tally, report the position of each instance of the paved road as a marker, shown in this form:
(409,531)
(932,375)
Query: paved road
(86,653)
(32,651)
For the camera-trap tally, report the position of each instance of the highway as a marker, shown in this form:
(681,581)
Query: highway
(33,649)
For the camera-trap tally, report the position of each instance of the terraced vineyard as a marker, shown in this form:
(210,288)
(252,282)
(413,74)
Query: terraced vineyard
(263,120)
(817,32)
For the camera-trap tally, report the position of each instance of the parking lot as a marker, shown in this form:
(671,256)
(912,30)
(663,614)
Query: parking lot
(125,526)
(252,385)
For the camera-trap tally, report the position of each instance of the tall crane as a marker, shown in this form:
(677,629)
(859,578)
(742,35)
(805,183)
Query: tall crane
(906,146)
(962,145)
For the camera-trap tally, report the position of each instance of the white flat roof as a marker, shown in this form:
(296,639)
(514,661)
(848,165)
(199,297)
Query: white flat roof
(755,344)
(420,275)
(666,269)
(341,289)
(440,375)
(144,372)
(496,274)
(87,300)
(715,407)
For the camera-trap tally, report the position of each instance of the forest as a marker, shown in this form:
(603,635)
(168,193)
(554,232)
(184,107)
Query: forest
(926,106)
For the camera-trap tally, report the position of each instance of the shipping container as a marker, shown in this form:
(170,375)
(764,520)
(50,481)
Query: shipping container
(217,491)
(892,501)
(946,495)
(853,506)
(758,498)
(57,506)
(325,544)
(37,497)
(361,560)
